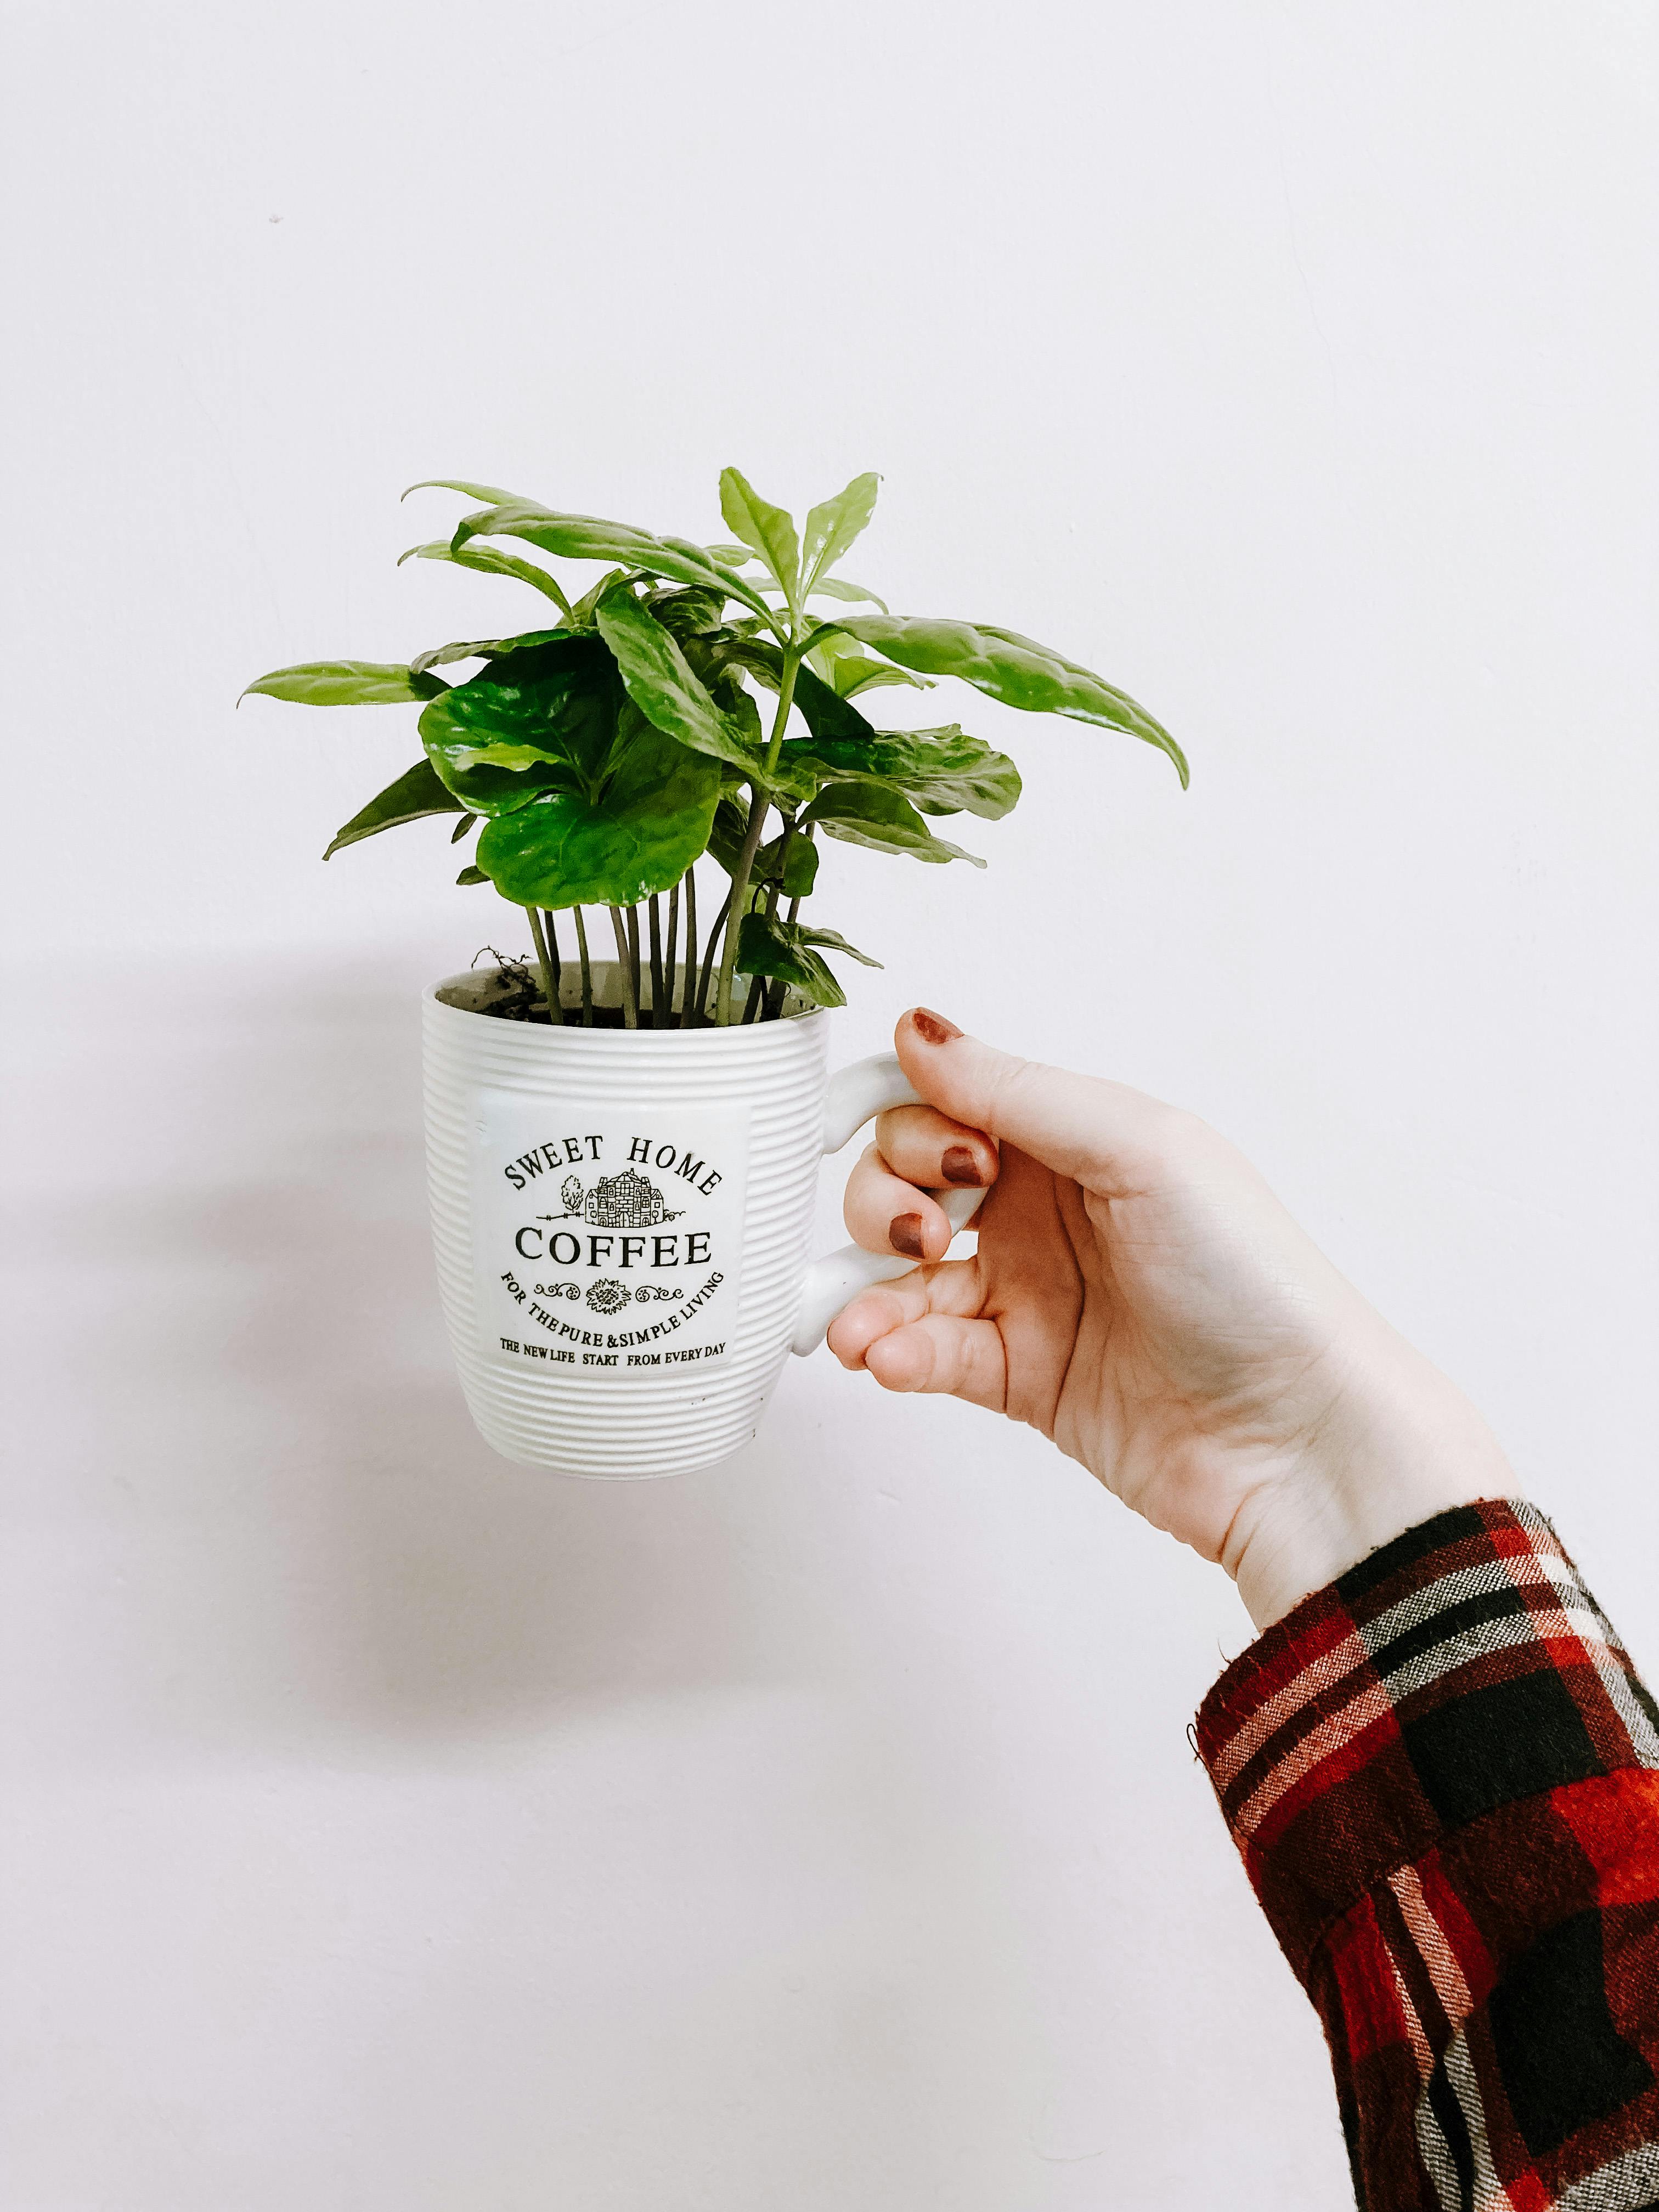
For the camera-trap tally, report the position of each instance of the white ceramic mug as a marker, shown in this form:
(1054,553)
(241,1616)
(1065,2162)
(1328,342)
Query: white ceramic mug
(621,1220)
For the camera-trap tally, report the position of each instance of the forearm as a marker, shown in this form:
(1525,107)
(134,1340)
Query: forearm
(1441,1772)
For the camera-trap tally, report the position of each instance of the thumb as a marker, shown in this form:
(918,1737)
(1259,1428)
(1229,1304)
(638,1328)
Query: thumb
(1102,1135)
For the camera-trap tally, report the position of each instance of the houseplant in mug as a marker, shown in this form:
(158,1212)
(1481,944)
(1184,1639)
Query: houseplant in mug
(622,1148)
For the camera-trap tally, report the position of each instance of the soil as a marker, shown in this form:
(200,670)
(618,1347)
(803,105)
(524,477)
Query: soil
(516,995)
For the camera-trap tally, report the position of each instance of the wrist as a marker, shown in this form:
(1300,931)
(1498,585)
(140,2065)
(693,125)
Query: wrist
(1397,1443)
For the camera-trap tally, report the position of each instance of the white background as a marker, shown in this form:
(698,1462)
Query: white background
(394,1829)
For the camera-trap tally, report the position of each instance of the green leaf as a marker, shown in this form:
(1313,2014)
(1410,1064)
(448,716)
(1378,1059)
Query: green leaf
(855,673)
(489,560)
(463,826)
(726,834)
(768,947)
(844,665)
(587,538)
(639,836)
(1013,669)
(733,555)
(840,587)
(543,719)
(482,648)
(416,794)
(492,493)
(833,941)
(791,863)
(832,527)
(766,529)
(661,683)
(869,814)
(942,771)
(692,611)
(348,684)
(472,876)
(826,714)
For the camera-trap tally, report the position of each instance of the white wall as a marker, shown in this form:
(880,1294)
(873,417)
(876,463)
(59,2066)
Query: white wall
(394,1830)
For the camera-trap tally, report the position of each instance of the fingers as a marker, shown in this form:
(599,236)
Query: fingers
(943,1353)
(887,1214)
(923,1334)
(1103,1134)
(927,1147)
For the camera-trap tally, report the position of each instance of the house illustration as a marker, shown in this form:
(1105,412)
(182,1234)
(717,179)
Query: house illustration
(625,1201)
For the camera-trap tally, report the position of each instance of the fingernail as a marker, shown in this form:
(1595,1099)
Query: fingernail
(904,1235)
(932,1028)
(961,1165)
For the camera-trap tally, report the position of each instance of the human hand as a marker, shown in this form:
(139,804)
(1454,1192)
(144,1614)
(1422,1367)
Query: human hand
(1141,1297)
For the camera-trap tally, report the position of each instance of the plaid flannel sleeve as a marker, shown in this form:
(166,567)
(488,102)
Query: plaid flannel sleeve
(1443,1774)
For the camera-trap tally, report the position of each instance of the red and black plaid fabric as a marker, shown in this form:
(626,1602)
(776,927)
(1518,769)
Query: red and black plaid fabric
(1442,1773)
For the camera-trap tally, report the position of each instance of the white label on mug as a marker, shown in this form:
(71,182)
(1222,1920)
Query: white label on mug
(606,1242)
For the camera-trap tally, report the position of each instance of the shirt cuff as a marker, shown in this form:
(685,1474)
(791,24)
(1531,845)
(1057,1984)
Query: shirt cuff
(1462,1667)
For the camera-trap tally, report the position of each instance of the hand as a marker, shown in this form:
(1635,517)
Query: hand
(1140,1297)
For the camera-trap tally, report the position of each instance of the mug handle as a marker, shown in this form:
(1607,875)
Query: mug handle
(855,1094)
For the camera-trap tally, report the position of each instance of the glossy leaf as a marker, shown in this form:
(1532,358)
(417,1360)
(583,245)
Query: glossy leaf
(348,684)
(543,719)
(492,494)
(856,673)
(691,612)
(489,560)
(639,836)
(847,669)
(771,948)
(1014,669)
(833,526)
(416,794)
(833,941)
(472,876)
(791,863)
(482,648)
(869,814)
(826,714)
(840,587)
(941,771)
(588,537)
(766,529)
(660,681)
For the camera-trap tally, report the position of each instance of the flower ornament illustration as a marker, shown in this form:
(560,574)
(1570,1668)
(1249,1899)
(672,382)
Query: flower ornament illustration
(607,1296)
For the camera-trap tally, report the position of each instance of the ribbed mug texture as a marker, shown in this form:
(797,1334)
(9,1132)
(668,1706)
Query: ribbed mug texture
(621,1421)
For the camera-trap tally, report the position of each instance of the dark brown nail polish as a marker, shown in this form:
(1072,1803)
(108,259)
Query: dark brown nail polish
(904,1235)
(961,1166)
(932,1028)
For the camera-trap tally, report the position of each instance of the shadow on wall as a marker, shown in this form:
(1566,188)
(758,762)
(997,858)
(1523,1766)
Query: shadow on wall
(313,1537)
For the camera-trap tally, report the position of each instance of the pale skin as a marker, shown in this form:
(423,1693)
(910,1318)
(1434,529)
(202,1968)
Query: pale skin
(1141,1298)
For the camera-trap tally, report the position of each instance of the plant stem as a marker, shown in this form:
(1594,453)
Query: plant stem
(656,962)
(633,955)
(737,904)
(588,971)
(666,1003)
(625,960)
(708,963)
(759,801)
(549,989)
(690,946)
(549,923)
(775,996)
(751,1005)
